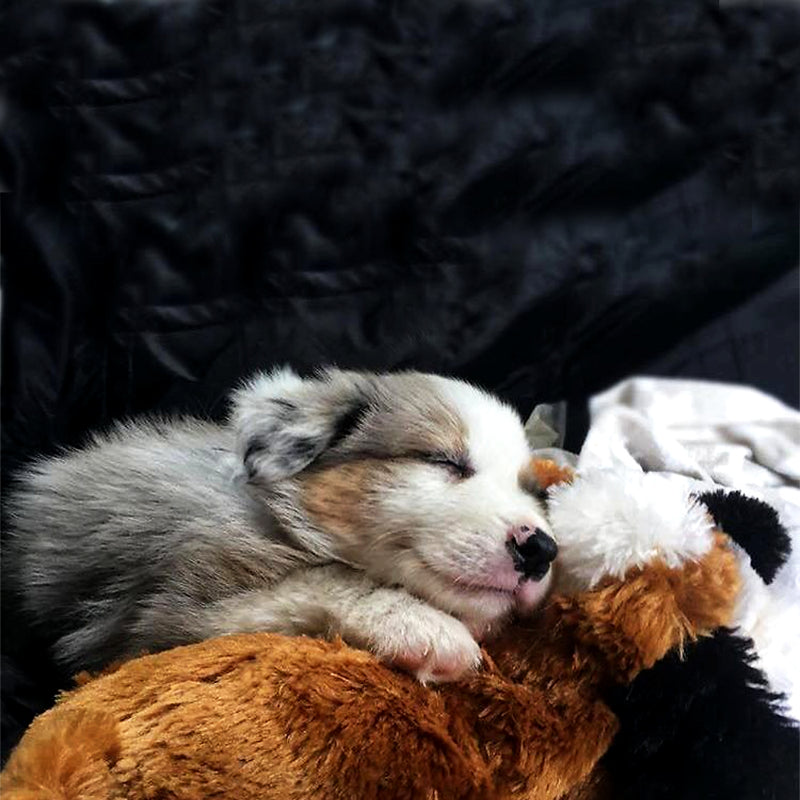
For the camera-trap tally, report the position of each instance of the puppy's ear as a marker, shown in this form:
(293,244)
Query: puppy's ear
(284,422)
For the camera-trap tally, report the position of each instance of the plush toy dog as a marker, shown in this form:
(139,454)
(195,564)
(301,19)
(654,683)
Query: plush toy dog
(642,571)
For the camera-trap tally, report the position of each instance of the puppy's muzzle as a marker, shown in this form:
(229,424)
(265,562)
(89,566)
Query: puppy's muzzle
(531,551)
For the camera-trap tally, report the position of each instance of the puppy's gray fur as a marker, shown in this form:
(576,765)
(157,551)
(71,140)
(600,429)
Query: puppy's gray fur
(376,507)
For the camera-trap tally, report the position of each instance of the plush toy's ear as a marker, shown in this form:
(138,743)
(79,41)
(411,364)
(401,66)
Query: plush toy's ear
(754,526)
(284,422)
(541,474)
(548,473)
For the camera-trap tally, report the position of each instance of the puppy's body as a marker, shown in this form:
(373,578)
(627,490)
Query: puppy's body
(380,508)
(151,519)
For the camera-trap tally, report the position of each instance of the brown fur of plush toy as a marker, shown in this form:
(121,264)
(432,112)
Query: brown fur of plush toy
(265,716)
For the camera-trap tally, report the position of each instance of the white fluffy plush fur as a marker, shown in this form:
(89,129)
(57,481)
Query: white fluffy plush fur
(607,521)
(771,618)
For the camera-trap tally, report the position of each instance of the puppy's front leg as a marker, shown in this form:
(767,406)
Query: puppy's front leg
(336,600)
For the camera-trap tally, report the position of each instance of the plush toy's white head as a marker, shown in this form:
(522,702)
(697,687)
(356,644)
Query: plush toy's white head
(608,521)
(416,479)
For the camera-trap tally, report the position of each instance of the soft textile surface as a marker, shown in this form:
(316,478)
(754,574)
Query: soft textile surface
(540,196)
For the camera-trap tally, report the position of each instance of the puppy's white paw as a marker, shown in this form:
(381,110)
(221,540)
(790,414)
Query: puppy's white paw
(430,644)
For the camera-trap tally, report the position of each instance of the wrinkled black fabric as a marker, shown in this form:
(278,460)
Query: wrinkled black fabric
(537,196)
(542,197)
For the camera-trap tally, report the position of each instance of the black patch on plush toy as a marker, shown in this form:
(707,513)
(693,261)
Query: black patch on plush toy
(754,525)
(706,725)
(702,728)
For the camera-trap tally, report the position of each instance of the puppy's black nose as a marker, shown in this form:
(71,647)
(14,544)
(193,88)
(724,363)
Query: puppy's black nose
(532,553)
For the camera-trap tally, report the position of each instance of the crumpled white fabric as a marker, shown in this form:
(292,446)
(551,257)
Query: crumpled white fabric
(709,435)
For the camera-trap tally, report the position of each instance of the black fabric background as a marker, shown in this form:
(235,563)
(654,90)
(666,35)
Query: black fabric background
(543,197)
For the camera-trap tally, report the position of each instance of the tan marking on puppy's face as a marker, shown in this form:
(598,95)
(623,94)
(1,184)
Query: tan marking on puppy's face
(338,498)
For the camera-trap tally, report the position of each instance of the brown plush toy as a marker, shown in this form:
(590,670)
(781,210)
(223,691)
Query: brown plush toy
(262,716)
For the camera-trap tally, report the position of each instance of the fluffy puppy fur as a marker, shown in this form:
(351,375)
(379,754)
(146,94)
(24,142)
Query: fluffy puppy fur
(385,509)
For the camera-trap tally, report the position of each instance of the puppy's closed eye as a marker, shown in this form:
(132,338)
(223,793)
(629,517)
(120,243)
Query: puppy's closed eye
(458,466)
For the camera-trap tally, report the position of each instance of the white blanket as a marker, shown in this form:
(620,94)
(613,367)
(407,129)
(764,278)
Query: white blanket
(709,435)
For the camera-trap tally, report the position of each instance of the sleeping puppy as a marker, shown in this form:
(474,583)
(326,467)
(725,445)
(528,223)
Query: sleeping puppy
(396,511)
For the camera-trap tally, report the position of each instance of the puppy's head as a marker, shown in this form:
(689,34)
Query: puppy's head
(418,480)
